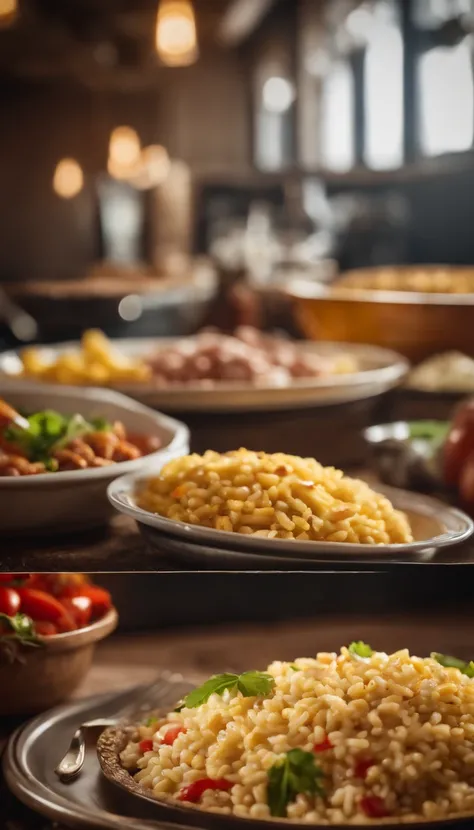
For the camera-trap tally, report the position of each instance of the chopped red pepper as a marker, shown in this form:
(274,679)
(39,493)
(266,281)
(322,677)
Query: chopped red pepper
(172,733)
(362,766)
(323,746)
(195,790)
(145,746)
(374,807)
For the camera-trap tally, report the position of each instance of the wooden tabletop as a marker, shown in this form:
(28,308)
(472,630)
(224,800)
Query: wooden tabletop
(197,653)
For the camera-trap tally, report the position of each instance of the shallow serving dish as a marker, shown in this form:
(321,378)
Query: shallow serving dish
(65,501)
(380,370)
(48,674)
(91,801)
(435,525)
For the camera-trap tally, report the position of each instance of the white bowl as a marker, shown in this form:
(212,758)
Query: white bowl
(435,526)
(73,500)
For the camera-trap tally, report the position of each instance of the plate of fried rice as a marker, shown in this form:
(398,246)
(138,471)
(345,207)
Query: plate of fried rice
(277,504)
(359,737)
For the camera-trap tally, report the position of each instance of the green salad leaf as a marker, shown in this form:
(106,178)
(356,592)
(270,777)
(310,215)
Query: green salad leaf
(454,663)
(249,684)
(50,431)
(360,649)
(297,772)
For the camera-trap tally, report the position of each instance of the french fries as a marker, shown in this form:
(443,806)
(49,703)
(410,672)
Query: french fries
(97,363)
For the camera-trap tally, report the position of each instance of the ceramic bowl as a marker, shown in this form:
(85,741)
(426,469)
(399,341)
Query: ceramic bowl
(77,499)
(45,676)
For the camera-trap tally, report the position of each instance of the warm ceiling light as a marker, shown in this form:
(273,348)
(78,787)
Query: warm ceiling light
(8,10)
(124,147)
(68,179)
(176,39)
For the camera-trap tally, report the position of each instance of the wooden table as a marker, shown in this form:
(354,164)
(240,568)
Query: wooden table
(197,653)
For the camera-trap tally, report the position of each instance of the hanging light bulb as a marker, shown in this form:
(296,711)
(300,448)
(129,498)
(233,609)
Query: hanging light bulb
(176,39)
(8,11)
(68,179)
(124,152)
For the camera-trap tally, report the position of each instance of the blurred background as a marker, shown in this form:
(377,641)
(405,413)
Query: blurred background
(155,154)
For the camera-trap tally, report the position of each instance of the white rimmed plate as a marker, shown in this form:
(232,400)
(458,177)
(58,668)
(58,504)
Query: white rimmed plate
(380,370)
(435,525)
(59,502)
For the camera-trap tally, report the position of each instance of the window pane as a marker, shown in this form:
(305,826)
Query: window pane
(383,93)
(446,100)
(337,129)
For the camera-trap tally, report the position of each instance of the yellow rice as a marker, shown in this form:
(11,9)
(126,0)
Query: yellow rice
(410,716)
(276,496)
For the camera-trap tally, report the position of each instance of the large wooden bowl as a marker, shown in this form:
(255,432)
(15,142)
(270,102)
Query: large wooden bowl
(415,324)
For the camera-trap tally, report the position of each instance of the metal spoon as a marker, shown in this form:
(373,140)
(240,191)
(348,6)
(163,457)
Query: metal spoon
(143,698)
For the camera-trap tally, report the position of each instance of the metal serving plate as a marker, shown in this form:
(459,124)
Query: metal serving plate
(380,370)
(112,801)
(435,525)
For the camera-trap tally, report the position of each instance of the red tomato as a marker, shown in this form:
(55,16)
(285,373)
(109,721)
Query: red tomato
(80,609)
(9,601)
(146,745)
(362,766)
(195,790)
(458,445)
(172,733)
(45,629)
(100,598)
(373,806)
(41,606)
(464,414)
(324,745)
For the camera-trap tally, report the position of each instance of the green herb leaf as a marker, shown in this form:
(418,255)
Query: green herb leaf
(429,430)
(360,649)
(179,707)
(294,667)
(22,628)
(100,424)
(454,663)
(249,684)
(297,772)
(150,721)
(45,429)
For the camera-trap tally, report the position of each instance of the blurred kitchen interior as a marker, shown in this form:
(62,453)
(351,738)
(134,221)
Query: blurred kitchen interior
(155,155)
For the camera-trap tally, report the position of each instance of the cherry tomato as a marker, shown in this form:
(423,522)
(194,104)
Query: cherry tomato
(80,609)
(100,598)
(45,629)
(41,606)
(9,601)
(458,445)
(146,745)
(464,414)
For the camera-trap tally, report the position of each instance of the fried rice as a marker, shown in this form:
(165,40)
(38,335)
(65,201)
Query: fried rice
(275,496)
(392,737)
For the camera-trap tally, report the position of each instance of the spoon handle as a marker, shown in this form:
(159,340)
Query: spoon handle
(71,765)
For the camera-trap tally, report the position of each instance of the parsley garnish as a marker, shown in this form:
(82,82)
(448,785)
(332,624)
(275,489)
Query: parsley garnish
(294,667)
(249,684)
(296,773)
(360,649)
(454,663)
(151,721)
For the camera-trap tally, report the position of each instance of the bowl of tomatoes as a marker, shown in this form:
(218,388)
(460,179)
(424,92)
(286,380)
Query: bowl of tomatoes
(49,627)
(429,456)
